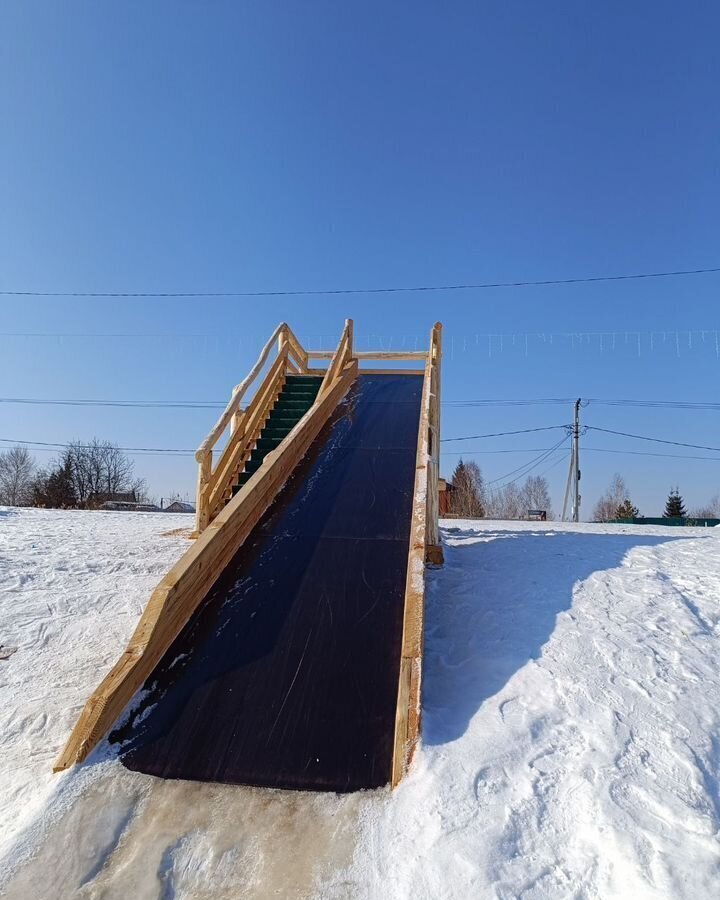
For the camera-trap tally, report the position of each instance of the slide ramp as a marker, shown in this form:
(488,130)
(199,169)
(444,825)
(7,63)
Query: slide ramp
(287,674)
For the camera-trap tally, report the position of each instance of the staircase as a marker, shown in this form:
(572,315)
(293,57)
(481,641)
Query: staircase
(296,398)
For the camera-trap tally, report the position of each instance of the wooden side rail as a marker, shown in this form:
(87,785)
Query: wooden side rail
(186,585)
(343,354)
(433,548)
(214,482)
(372,354)
(423,528)
(238,450)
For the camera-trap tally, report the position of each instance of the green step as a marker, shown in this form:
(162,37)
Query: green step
(297,396)
(286,402)
(269,443)
(282,420)
(300,390)
(274,431)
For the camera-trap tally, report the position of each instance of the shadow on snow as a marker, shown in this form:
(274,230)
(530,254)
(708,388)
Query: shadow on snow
(494,605)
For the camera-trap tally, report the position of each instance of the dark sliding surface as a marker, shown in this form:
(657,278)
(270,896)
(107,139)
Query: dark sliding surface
(287,675)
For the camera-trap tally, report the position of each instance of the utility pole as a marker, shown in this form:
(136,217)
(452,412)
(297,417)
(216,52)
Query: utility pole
(576,463)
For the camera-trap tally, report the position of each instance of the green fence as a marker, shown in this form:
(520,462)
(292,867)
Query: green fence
(679,520)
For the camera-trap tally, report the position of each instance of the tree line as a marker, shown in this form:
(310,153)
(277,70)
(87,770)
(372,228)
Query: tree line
(81,477)
(472,498)
(615,503)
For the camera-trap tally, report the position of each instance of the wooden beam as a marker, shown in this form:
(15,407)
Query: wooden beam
(391,371)
(432,539)
(188,582)
(408,710)
(202,512)
(372,354)
(342,354)
(297,350)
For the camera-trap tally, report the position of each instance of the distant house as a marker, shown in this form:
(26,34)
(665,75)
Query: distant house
(180,506)
(537,515)
(128,506)
(98,499)
(445,488)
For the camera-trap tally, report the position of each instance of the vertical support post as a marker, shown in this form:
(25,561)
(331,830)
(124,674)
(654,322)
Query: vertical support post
(576,461)
(433,548)
(202,507)
(349,324)
(237,415)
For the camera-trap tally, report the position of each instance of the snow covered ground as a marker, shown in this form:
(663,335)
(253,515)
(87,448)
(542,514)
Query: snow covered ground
(571,741)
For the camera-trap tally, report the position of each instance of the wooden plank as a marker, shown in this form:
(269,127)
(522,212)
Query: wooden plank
(202,512)
(372,354)
(432,540)
(342,354)
(188,582)
(407,717)
(392,371)
(297,350)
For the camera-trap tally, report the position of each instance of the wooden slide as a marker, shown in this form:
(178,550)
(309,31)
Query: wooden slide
(284,648)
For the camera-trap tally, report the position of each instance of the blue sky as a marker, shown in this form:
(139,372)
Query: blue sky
(280,146)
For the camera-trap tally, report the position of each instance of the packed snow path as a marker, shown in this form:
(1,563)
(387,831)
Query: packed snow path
(571,729)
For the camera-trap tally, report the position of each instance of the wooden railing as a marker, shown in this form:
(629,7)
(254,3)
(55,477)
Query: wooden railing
(215,481)
(424,547)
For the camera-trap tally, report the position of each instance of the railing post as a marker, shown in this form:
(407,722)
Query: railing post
(433,548)
(237,415)
(349,324)
(202,508)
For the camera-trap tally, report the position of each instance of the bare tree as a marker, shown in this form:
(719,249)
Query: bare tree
(16,476)
(99,469)
(536,494)
(506,502)
(616,496)
(711,510)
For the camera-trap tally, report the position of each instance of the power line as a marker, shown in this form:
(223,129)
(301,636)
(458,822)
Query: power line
(529,466)
(588,449)
(57,445)
(549,401)
(131,404)
(657,404)
(650,453)
(547,282)
(219,404)
(555,463)
(642,437)
(472,437)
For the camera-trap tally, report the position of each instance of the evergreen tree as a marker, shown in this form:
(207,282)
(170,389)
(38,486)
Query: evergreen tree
(468,494)
(626,510)
(674,506)
(56,490)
